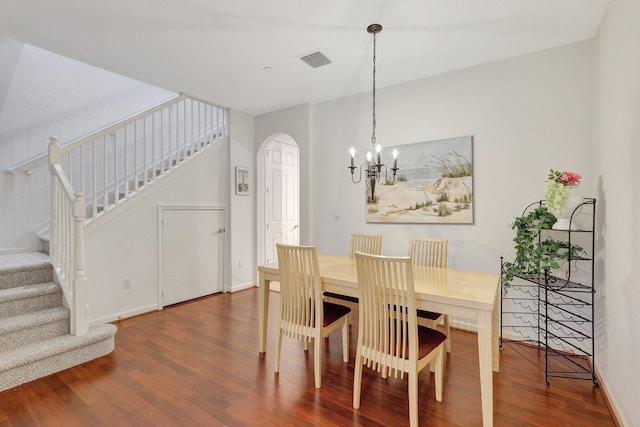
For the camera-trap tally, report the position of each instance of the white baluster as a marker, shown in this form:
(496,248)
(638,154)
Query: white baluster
(105,196)
(144,151)
(191,123)
(82,168)
(115,168)
(94,196)
(153,145)
(54,157)
(162,142)
(80,324)
(135,155)
(126,160)
(170,135)
(217,128)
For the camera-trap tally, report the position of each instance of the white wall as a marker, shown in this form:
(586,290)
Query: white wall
(243,220)
(527,114)
(47,94)
(9,54)
(126,246)
(616,158)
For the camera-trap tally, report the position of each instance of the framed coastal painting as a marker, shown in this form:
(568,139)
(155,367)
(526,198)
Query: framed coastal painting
(242,181)
(433,184)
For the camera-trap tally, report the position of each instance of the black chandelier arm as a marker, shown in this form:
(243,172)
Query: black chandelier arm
(386,172)
(353,168)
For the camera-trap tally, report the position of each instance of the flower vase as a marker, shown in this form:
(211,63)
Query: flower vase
(565,221)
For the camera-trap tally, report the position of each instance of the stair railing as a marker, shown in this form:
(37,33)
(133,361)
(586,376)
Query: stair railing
(108,165)
(67,242)
(97,172)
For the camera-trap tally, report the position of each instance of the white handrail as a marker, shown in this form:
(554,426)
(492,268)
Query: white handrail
(119,124)
(25,166)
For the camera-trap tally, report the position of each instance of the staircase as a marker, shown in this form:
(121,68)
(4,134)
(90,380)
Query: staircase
(44,313)
(35,339)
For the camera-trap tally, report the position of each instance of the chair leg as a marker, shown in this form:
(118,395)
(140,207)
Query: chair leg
(439,374)
(447,332)
(317,347)
(278,347)
(357,380)
(345,340)
(413,399)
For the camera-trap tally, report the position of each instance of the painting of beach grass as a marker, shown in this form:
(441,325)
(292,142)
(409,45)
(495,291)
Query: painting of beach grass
(434,184)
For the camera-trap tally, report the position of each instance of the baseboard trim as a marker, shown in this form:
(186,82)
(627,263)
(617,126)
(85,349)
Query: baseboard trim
(8,251)
(242,287)
(610,401)
(464,324)
(124,314)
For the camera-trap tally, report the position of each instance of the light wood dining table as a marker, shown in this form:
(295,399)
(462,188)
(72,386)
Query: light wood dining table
(466,294)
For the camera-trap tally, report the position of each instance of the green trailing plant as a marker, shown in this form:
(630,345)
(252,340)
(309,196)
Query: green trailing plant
(536,257)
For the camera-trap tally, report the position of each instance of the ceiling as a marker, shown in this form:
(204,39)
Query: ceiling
(218,50)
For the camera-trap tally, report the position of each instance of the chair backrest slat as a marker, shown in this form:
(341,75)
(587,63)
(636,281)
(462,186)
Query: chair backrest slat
(428,252)
(365,243)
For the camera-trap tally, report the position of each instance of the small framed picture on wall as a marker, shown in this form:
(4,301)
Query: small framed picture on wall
(242,181)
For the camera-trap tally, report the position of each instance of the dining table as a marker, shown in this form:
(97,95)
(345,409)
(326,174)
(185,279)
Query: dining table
(461,293)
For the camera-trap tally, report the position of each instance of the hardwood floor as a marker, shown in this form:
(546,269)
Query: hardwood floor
(197,364)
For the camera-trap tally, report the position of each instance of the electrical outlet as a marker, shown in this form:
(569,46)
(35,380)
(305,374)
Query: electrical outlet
(241,265)
(126,283)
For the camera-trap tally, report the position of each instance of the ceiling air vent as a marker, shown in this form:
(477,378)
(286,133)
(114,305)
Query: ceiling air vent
(316,59)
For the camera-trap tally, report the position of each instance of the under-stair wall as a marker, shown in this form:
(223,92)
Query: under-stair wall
(125,244)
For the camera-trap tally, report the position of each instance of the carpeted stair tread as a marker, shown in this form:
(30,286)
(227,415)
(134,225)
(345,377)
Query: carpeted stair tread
(25,329)
(23,262)
(29,298)
(63,344)
(32,320)
(28,291)
(24,269)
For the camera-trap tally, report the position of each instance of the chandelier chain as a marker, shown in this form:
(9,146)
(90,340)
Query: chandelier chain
(373,135)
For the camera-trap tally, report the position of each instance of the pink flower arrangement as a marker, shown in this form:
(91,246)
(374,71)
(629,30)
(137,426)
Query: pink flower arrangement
(565,178)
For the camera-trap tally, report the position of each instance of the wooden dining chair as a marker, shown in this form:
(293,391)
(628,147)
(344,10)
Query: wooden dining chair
(431,253)
(390,341)
(304,315)
(365,243)
(368,244)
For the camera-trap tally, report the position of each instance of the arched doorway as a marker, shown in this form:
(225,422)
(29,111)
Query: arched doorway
(278,195)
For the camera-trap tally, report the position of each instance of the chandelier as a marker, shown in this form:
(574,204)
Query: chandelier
(373,165)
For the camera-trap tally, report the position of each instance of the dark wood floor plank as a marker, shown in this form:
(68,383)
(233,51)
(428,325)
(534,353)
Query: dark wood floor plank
(197,364)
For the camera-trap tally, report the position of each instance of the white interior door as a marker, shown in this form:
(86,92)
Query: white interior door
(281,200)
(192,253)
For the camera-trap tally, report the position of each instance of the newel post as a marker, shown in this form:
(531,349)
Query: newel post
(81,323)
(55,156)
